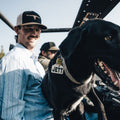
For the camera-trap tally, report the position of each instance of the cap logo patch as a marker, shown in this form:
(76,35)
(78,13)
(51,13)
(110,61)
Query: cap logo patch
(34,16)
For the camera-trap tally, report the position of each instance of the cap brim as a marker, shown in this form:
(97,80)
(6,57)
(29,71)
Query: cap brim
(54,48)
(33,23)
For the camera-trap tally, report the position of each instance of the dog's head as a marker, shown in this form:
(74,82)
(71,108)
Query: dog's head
(96,42)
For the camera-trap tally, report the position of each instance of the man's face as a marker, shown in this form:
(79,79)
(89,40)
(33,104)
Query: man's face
(50,55)
(29,35)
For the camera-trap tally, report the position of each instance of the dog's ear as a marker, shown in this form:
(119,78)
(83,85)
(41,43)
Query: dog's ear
(70,43)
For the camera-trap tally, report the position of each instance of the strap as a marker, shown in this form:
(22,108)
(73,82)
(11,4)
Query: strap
(71,77)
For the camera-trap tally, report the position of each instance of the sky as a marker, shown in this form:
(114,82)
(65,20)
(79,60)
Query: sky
(54,14)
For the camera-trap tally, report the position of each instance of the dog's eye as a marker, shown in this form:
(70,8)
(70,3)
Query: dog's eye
(109,37)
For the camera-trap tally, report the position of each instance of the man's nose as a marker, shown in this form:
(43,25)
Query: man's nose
(34,31)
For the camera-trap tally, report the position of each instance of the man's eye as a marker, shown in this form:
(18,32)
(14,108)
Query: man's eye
(37,30)
(27,30)
(30,29)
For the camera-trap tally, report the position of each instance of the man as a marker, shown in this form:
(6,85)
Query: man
(21,74)
(48,51)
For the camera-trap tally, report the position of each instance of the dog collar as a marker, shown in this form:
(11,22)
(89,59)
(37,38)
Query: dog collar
(70,76)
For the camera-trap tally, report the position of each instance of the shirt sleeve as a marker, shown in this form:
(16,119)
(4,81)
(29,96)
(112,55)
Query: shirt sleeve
(13,90)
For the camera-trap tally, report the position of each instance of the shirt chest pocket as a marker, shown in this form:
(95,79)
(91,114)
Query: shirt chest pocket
(34,81)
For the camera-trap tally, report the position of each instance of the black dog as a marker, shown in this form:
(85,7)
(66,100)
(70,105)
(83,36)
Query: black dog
(91,48)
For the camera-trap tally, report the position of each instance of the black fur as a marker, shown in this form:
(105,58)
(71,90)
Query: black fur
(95,39)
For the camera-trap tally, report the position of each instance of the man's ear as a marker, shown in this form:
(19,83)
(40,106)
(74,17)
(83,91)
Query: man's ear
(16,29)
(44,53)
(74,38)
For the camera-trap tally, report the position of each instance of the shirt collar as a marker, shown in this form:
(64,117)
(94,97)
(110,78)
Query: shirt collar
(28,52)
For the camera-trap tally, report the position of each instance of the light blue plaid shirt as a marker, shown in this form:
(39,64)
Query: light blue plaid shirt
(20,87)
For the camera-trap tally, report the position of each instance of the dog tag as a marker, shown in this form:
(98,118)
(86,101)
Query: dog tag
(58,69)
(59,61)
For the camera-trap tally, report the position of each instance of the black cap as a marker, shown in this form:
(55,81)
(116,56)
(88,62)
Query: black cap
(49,46)
(29,18)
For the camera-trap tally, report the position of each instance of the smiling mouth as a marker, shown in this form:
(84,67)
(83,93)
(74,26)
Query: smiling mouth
(109,76)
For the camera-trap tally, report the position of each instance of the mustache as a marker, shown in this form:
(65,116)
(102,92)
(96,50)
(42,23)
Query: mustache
(31,36)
